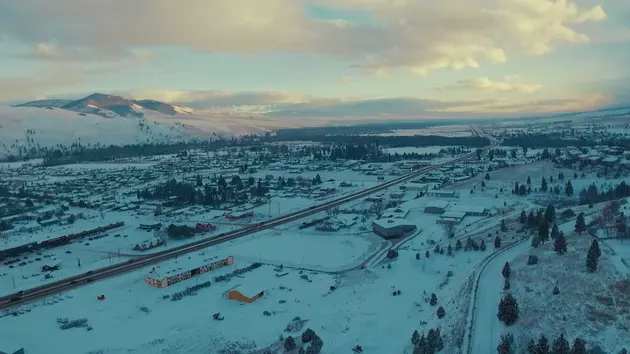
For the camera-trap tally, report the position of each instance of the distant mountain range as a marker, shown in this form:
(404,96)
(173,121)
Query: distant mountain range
(109,106)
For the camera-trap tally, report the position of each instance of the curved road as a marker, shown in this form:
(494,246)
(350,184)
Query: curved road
(487,329)
(33,294)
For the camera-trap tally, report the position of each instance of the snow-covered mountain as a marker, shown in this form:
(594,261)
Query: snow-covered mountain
(110,106)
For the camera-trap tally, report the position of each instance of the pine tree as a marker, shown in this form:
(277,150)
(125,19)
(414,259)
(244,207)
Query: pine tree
(506,345)
(487,176)
(623,351)
(550,213)
(523,218)
(568,189)
(508,310)
(554,231)
(439,341)
(592,257)
(529,180)
(543,185)
(506,270)
(433,300)
(531,347)
(535,241)
(289,344)
(522,190)
(458,245)
(531,220)
(561,176)
(579,346)
(497,242)
(516,188)
(580,224)
(415,337)
(560,345)
(440,312)
(482,245)
(560,243)
(543,231)
(542,347)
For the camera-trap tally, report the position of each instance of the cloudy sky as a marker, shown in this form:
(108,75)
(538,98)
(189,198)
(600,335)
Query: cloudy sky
(323,57)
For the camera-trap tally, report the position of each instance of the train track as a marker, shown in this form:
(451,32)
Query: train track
(30,295)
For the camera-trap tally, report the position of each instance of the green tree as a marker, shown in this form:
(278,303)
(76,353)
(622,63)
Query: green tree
(560,243)
(592,257)
(580,224)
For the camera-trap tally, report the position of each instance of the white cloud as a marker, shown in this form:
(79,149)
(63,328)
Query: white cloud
(419,36)
(510,84)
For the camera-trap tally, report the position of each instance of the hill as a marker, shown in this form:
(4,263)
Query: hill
(110,106)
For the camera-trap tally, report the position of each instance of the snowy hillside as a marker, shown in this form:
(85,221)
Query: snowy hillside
(29,127)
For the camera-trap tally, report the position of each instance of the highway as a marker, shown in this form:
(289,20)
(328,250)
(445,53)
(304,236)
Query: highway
(30,295)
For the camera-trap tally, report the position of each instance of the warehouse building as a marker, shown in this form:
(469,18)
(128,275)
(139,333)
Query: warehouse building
(392,228)
(451,217)
(443,194)
(436,207)
(470,210)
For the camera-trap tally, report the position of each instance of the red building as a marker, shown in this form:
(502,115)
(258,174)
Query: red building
(167,279)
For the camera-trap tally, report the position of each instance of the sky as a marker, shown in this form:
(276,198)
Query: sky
(310,58)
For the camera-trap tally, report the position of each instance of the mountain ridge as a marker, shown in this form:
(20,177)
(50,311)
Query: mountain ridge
(109,106)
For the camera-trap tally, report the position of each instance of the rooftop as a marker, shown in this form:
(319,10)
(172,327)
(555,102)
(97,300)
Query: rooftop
(437,204)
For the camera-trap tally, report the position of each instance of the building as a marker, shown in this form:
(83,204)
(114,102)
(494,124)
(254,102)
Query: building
(451,217)
(470,210)
(416,187)
(168,278)
(443,193)
(247,214)
(149,227)
(436,207)
(236,293)
(392,227)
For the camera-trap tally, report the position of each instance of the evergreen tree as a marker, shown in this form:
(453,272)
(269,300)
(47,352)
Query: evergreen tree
(560,243)
(550,213)
(580,224)
(543,232)
(508,310)
(579,346)
(516,188)
(487,176)
(458,245)
(568,189)
(497,242)
(522,190)
(531,347)
(554,231)
(550,179)
(433,300)
(482,245)
(523,218)
(415,338)
(529,180)
(561,176)
(592,257)
(449,250)
(417,256)
(440,312)
(542,347)
(535,241)
(531,220)
(543,185)
(623,351)
(199,181)
(289,344)
(506,345)
(506,270)
(560,345)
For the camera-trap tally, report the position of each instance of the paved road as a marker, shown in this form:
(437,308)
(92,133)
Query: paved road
(33,294)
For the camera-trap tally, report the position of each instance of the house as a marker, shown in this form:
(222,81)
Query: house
(436,207)
(239,293)
(392,227)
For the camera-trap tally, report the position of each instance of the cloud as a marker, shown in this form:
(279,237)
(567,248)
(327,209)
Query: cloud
(419,36)
(571,104)
(20,88)
(510,84)
(217,98)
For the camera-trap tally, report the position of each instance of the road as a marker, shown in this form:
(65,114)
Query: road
(26,296)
